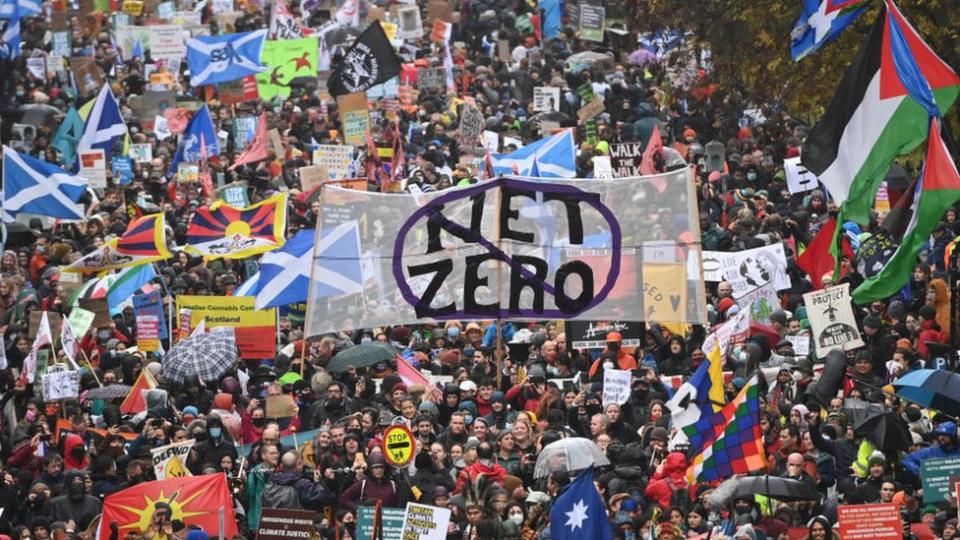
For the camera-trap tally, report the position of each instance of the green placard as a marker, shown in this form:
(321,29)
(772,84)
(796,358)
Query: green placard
(936,473)
(392,523)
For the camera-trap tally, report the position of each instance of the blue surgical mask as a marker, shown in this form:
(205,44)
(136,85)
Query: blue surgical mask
(751,176)
(215,432)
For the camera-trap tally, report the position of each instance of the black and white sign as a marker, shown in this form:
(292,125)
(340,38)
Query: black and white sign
(751,269)
(593,334)
(471,125)
(831,319)
(626,158)
(799,179)
(546,98)
(411,26)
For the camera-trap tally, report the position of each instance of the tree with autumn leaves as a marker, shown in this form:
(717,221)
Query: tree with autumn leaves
(749,43)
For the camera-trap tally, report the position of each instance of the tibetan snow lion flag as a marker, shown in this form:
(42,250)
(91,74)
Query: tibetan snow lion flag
(145,237)
(222,231)
(195,500)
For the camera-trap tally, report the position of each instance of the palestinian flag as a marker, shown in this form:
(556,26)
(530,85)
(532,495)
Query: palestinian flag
(938,188)
(873,118)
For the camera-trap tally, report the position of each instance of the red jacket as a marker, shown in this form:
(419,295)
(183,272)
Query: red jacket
(663,483)
(493,472)
(929,331)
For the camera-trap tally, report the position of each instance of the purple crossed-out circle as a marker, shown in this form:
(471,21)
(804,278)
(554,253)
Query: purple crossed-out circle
(425,212)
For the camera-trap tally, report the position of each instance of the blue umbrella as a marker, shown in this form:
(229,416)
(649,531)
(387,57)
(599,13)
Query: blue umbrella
(934,388)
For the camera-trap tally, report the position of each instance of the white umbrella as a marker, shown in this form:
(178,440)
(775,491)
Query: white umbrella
(572,454)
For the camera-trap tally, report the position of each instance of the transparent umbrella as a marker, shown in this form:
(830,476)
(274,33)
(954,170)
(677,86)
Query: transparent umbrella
(573,454)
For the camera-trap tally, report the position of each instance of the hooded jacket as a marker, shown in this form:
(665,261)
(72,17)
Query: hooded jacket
(493,471)
(80,507)
(911,461)
(672,477)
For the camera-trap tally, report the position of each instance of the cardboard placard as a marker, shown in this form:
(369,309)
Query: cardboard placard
(471,125)
(832,320)
(432,78)
(87,74)
(312,176)
(424,522)
(335,157)
(799,179)
(59,22)
(281,406)
(503,50)
(590,110)
(60,384)
(275,142)
(411,27)
(100,309)
(354,117)
(55,320)
(439,10)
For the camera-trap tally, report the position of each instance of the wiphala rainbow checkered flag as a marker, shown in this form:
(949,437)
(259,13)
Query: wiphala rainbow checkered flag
(729,442)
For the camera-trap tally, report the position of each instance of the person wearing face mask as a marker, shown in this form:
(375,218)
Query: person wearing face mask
(75,453)
(32,416)
(103,471)
(212,450)
(95,343)
(75,504)
(613,357)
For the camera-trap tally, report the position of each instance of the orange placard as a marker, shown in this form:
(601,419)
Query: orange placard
(870,522)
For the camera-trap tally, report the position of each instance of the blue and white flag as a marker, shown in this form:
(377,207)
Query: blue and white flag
(284,276)
(579,512)
(820,22)
(104,125)
(198,139)
(552,14)
(10,36)
(218,59)
(37,187)
(556,157)
(28,8)
(138,49)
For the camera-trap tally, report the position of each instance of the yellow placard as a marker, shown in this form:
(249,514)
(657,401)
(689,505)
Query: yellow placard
(233,311)
(133,7)
(665,292)
(398,445)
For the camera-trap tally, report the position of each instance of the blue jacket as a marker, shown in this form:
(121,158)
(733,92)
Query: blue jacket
(490,335)
(911,461)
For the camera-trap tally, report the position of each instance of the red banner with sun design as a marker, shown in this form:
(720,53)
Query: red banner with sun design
(222,231)
(195,500)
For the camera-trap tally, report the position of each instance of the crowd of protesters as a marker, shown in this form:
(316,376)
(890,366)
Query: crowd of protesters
(499,410)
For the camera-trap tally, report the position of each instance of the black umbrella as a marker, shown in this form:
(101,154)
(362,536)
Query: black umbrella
(776,487)
(17,235)
(39,114)
(879,425)
(111,391)
(358,356)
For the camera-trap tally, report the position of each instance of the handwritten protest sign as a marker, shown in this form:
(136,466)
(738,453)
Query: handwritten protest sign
(616,386)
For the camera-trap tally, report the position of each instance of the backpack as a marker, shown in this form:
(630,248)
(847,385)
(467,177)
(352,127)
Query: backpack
(279,496)
(679,497)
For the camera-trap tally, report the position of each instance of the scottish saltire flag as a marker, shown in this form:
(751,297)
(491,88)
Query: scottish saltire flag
(198,139)
(10,36)
(219,59)
(145,237)
(556,157)
(28,8)
(37,187)
(820,22)
(737,443)
(104,125)
(68,136)
(579,512)
(284,276)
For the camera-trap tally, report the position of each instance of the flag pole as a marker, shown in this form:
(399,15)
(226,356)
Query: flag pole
(89,365)
(497,203)
(311,301)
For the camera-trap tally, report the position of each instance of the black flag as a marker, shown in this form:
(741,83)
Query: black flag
(369,62)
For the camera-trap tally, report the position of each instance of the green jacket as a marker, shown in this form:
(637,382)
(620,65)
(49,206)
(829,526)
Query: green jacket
(256,482)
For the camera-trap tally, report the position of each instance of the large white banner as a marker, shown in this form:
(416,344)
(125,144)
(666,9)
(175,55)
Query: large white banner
(831,319)
(509,248)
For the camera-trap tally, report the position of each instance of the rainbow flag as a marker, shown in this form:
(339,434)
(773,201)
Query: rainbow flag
(145,237)
(732,442)
(223,231)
